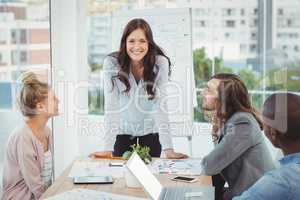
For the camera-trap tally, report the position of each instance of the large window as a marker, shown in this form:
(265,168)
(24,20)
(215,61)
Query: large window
(258,40)
(24,45)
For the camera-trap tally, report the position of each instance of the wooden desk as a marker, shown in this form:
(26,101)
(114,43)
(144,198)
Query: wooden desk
(65,183)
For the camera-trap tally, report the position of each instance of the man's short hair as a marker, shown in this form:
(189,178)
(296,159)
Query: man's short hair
(282,113)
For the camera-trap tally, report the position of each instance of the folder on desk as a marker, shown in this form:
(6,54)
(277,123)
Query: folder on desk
(93,168)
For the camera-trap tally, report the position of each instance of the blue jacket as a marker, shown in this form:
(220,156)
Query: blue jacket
(283,183)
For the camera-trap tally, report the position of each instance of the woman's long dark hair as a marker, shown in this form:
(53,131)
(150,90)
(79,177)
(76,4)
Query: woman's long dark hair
(233,97)
(149,60)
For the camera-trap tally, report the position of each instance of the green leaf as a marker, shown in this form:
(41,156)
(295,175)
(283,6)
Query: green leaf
(142,151)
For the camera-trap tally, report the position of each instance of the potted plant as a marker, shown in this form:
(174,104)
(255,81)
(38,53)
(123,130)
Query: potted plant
(144,153)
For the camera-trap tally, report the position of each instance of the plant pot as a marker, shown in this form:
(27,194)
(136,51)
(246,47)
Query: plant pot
(131,180)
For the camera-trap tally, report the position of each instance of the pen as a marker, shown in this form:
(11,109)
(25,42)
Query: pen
(108,157)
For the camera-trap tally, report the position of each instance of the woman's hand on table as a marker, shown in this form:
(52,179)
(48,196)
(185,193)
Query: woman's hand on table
(171,154)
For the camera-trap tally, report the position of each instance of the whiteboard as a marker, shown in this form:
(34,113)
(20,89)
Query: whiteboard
(172,31)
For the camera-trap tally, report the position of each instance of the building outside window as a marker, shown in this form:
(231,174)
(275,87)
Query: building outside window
(2,36)
(1,58)
(18,36)
(229,12)
(242,12)
(230,23)
(202,23)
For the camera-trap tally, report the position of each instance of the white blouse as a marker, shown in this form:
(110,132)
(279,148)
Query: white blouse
(47,169)
(133,114)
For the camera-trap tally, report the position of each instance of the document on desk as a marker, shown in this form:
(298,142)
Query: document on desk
(83,194)
(93,168)
(180,167)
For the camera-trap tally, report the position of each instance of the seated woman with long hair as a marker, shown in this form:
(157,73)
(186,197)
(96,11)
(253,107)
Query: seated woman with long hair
(28,161)
(240,156)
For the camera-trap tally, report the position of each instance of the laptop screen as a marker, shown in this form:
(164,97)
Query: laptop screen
(144,176)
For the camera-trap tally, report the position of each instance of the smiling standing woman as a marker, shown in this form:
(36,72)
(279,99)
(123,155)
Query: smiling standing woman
(135,79)
(27,169)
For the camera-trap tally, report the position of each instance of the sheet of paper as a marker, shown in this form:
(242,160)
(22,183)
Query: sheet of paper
(180,167)
(95,168)
(83,194)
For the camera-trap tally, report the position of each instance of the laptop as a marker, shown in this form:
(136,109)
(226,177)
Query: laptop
(158,192)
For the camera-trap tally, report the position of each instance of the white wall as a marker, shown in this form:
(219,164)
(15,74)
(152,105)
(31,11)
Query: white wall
(70,75)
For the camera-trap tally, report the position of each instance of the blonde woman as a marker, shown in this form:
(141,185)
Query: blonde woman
(28,161)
